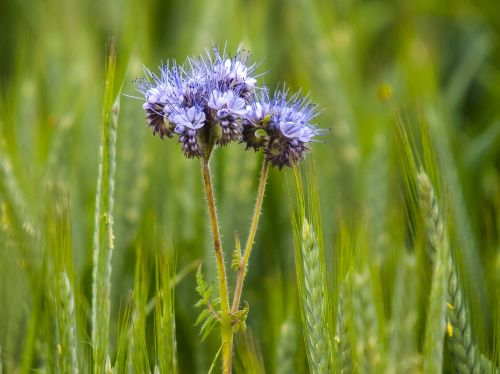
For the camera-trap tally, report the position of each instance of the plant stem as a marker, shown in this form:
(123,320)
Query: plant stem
(251,235)
(226,325)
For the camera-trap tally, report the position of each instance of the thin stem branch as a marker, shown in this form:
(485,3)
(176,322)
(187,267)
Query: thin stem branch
(251,236)
(226,327)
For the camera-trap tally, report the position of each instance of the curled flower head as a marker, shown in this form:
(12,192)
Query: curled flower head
(188,122)
(227,109)
(256,124)
(233,72)
(282,126)
(202,101)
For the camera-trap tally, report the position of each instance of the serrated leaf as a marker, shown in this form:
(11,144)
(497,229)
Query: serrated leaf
(205,313)
(207,328)
(203,289)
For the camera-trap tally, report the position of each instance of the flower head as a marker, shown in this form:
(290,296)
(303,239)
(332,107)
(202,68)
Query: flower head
(202,96)
(234,72)
(282,126)
(256,124)
(213,99)
(227,109)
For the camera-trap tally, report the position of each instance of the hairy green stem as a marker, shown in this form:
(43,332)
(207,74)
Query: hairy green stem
(251,236)
(226,325)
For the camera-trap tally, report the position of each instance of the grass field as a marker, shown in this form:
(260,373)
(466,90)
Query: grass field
(380,253)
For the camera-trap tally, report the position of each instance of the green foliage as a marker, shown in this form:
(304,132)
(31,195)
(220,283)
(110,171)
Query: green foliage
(210,316)
(166,344)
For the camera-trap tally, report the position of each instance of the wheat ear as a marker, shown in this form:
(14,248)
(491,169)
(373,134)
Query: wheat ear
(314,298)
(344,351)
(438,243)
(462,347)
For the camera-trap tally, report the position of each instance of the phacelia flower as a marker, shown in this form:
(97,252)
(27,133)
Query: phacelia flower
(257,119)
(228,109)
(234,73)
(213,99)
(203,100)
(188,122)
(282,126)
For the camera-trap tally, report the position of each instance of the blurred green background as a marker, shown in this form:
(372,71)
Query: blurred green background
(367,64)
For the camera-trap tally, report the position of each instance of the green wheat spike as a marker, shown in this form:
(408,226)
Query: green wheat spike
(314,295)
(68,324)
(438,242)
(103,225)
(403,350)
(466,358)
(366,322)
(343,345)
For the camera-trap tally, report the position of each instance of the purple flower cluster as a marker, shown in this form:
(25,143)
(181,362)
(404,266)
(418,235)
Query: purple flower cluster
(281,126)
(214,99)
